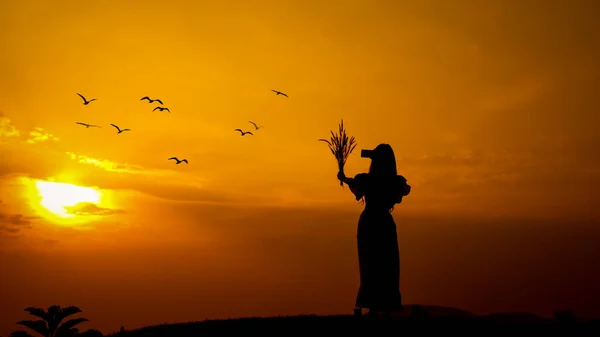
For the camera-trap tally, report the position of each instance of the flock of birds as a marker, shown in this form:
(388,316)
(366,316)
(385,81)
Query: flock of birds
(161,108)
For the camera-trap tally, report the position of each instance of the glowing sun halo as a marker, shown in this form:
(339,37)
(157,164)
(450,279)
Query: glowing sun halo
(56,196)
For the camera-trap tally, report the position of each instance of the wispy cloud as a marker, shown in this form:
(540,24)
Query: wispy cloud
(106,164)
(467,158)
(13,223)
(89,208)
(460,170)
(7,129)
(116,167)
(528,89)
(163,183)
(39,135)
(10,230)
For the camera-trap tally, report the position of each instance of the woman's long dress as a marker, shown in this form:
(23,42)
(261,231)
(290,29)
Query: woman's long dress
(378,253)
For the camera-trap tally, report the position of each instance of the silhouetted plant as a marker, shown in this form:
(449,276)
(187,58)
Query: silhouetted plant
(341,146)
(50,323)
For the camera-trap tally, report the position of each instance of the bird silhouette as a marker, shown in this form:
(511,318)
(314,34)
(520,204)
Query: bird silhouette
(244,133)
(85,101)
(116,127)
(255,126)
(88,125)
(179,161)
(161,109)
(280,93)
(151,100)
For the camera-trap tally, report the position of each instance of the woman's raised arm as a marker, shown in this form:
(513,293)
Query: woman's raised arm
(356,184)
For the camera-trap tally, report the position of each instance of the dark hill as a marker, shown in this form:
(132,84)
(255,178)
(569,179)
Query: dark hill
(414,320)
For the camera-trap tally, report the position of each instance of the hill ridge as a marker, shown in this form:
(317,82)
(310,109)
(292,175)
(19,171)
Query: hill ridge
(417,318)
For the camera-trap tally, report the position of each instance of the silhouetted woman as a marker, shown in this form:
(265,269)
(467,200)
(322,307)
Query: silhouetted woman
(378,254)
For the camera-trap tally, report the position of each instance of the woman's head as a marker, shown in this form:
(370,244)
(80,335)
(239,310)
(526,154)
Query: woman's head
(383,161)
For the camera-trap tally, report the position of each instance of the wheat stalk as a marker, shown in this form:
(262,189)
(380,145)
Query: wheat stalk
(341,146)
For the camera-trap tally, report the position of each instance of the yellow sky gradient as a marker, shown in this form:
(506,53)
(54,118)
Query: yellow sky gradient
(492,109)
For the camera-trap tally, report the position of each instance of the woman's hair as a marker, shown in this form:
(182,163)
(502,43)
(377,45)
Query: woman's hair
(385,175)
(383,162)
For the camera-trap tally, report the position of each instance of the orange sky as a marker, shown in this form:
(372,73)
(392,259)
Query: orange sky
(491,107)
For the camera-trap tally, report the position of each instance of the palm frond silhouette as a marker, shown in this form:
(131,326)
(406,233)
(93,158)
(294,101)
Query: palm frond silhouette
(51,320)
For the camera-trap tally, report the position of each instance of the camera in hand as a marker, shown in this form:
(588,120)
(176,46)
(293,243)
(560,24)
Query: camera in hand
(366,153)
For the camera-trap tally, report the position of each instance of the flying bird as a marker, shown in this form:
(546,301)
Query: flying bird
(85,101)
(280,93)
(88,125)
(151,100)
(116,127)
(255,126)
(244,133)
(179,161)
(161,109)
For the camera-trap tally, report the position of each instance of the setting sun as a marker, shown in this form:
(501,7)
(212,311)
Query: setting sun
(57,197)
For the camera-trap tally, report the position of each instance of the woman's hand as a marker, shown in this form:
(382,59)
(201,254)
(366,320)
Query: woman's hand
(341,176)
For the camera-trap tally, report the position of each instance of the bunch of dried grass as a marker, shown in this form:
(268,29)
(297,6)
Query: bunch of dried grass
(341,146)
